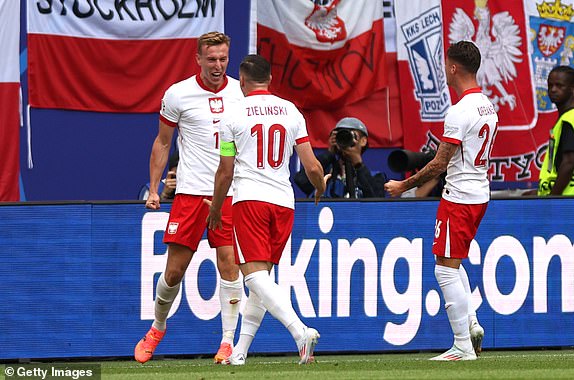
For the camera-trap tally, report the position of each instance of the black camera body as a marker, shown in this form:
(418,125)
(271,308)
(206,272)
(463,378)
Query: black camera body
(346,138)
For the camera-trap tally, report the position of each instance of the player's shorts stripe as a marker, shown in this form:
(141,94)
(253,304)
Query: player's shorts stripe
(447,244)
(238,248)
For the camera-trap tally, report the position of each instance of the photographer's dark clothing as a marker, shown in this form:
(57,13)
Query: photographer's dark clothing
(365,184)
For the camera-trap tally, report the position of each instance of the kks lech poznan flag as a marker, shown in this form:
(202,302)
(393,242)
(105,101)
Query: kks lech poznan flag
(500,30)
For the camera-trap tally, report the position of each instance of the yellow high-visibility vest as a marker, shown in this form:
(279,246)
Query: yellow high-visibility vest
(548,172)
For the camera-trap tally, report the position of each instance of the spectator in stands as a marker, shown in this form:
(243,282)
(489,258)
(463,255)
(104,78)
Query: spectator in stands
(557,172)
(166,186)
(350,177)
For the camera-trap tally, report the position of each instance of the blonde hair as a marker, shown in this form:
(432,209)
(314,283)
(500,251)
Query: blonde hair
(212,39)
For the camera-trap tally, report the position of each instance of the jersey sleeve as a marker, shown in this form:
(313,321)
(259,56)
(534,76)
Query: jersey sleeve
(227,124)
(455,123)
(301,134)
(226,131)
(170,109)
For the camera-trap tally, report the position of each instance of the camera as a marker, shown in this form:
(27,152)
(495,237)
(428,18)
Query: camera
(403,160)
(346,138)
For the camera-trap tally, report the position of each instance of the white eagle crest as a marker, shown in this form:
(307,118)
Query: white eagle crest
(216,105)
(498,56)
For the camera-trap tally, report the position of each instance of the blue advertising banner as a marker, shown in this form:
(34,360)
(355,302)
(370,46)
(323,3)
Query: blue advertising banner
(78,279)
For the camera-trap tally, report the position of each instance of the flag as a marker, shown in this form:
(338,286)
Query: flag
(420,55)
(9,100)
(329,58)
(113,56)
(500,29)
(552,44)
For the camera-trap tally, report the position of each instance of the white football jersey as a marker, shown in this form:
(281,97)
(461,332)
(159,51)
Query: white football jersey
(471,123)
(265,129)
(197,113)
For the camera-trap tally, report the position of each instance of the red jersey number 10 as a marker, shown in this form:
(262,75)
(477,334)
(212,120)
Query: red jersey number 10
(271,146)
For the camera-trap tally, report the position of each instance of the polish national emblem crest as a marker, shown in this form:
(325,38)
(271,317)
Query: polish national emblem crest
(216,105)
(552,41)
(325,23)
(550,38)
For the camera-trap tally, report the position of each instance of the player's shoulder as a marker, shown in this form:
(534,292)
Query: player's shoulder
(463,109)
(232,81)
(232,88)
(476,105)
(182,86)
(473,99)
(278,98)
(286,103)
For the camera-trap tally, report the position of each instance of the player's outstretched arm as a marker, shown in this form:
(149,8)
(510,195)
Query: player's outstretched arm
(433,169)
(313,169)
(157,162)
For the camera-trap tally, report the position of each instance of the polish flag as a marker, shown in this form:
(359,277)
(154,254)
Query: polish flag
(502,32)
(9,100)
(329,58)
(113,56)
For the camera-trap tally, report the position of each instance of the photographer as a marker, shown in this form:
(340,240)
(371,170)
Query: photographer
(350,178)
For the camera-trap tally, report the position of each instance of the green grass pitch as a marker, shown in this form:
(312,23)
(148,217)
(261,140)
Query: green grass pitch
(539,364)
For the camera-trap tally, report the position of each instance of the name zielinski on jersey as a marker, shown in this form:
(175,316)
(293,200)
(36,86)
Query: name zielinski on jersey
(262,111)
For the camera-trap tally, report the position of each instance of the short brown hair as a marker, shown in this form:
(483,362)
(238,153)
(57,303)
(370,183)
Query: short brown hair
(255,68)
(212,39)
(466,54)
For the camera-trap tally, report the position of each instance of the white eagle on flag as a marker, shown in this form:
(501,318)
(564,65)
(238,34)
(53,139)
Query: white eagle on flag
(498,56)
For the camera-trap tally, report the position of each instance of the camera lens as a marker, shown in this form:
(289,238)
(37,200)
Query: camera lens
(345,138)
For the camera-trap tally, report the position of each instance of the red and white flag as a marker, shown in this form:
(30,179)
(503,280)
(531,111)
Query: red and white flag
(9,100)
(500,29)
(113,56)
(328,57)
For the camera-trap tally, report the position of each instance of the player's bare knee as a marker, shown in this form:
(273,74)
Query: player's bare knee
(173,276)
(229,272)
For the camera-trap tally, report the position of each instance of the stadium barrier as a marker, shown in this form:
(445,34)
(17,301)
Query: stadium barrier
(79,279)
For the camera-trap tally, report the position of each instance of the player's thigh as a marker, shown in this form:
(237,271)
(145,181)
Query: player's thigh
(281,228)
(222,237)
(455,227)
(187,221)
(251,231)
